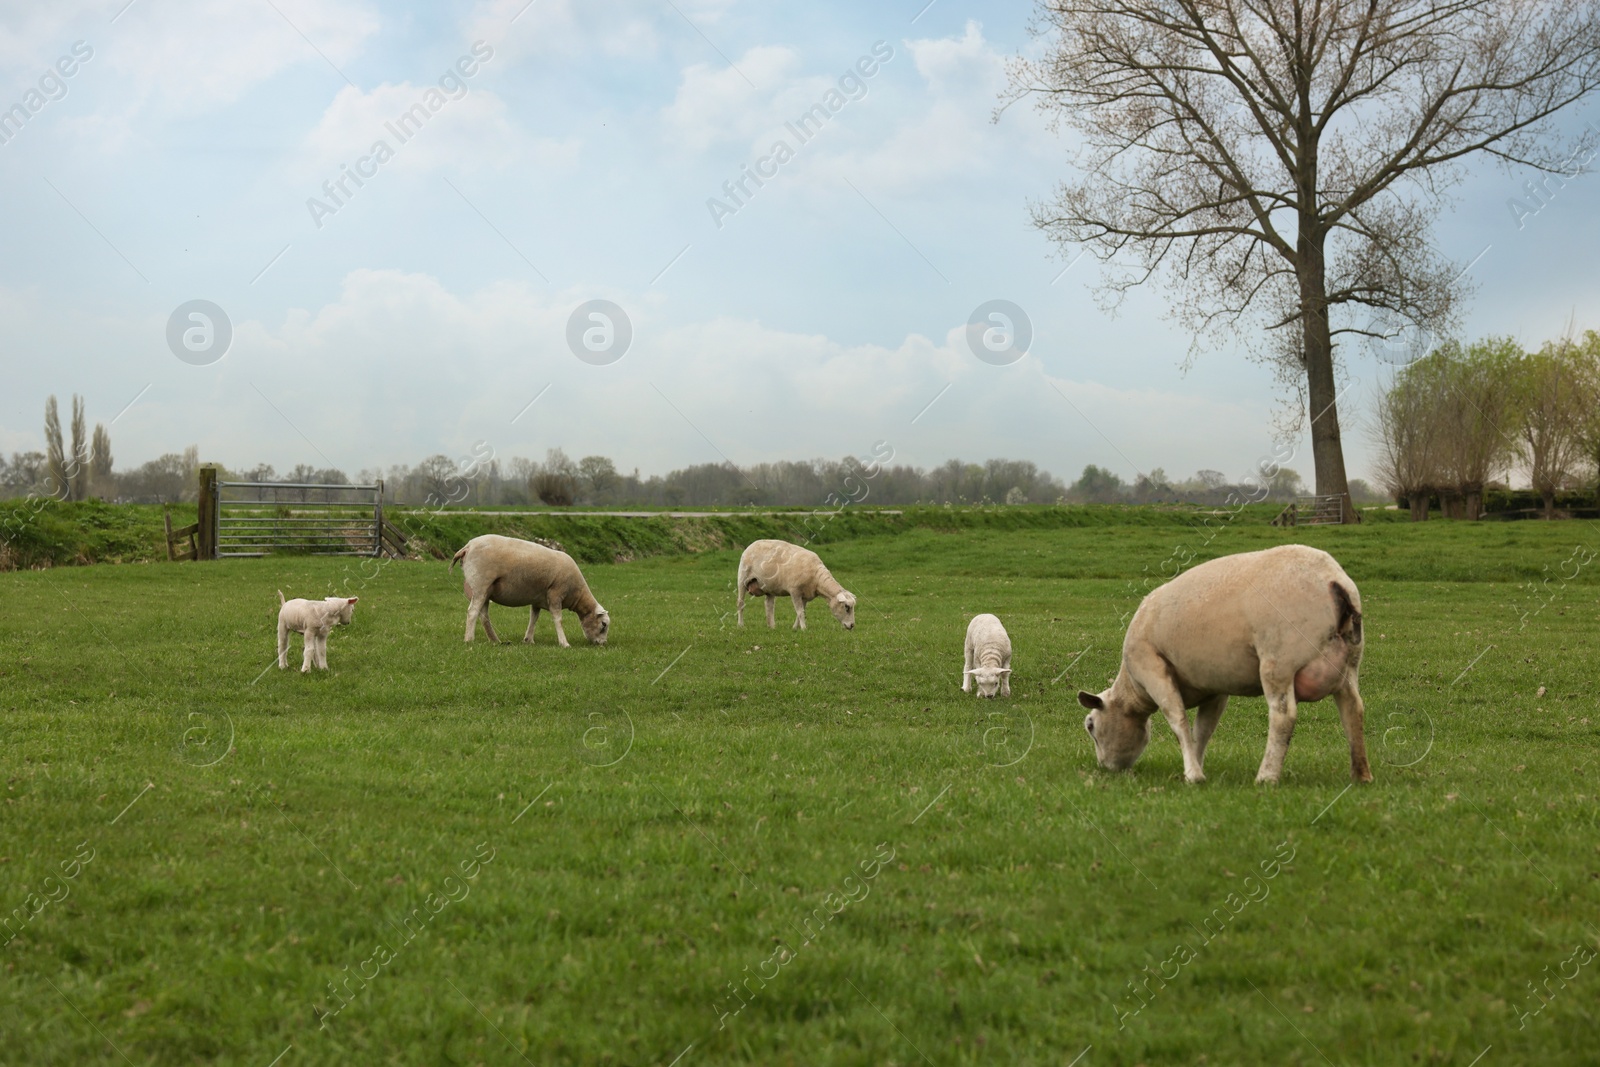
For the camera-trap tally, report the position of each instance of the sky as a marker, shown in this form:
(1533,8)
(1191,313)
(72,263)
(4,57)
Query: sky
(435,294)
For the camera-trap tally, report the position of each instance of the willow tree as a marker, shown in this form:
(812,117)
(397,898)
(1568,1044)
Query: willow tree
(1280,162)
(1406,436)
(1555,398)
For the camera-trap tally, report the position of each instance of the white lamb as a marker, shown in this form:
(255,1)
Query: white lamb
(312,619)
(778,568)
(988,657)
(516,573)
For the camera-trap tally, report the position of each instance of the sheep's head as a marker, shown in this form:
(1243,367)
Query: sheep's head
(989,679)
(843,607)
(343,607)
(596,625)
(325,615)
(1119,733)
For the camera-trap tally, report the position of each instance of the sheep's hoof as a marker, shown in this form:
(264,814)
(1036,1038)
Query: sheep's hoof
(1262,779)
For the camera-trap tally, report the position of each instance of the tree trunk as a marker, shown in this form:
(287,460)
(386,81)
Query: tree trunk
(1418,503)
(1473,503)
(1327,451)
(1549,497)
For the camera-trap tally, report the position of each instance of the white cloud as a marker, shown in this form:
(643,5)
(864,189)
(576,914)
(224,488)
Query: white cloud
(613,28)
(207,53)
(181,59)
(320,386)
(945,133)
(715,103)
(448,130)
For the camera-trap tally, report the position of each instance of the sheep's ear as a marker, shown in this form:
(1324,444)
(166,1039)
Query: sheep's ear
(354,599)
(1090,701)
(1005,670)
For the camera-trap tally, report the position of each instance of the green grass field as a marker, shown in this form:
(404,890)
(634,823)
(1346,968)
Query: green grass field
(439,853)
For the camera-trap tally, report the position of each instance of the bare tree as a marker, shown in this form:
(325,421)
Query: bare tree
(556,484)
(1283,160)
(1555,400)
(441,481)
(78,465)
(60,487)
(100,477)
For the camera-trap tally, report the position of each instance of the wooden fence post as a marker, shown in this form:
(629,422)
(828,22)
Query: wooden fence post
(206,505)
(377,521)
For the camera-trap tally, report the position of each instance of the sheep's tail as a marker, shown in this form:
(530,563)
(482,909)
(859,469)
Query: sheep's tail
(458,557)
(280,598)
(1349,625)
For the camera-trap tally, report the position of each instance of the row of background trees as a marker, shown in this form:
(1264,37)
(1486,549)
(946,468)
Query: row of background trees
(1456,420)
(84,470)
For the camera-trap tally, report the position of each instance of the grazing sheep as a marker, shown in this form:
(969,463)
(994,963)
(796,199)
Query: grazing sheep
(1285,622)
(312,619)
(987,657)
(778,568)
(505,570)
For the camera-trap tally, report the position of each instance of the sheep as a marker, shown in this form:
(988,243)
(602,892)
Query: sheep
(312,619)
(776,568)
(1284,622)
(987,657)
(505,570)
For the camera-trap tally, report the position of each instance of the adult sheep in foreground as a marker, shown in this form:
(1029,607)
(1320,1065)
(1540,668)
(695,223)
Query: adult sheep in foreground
(1284,622)
(778,568)
(986,658)
(515,573)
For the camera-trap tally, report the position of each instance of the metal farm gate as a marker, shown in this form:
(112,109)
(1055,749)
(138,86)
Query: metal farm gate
(257,518)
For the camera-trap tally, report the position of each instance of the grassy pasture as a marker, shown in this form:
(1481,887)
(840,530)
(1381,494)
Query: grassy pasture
(454,854)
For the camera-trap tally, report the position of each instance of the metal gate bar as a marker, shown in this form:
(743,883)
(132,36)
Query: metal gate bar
(345,520)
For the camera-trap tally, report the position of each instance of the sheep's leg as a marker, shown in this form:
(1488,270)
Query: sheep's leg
(1005,685)
(1352,712)
(555,617)
(1157,681)
(741,598)
(966,669)
(799,611)
(533,620)
(476,609)
(283,646)
(488,627)
(1206,717)
(322,649)
(308,657)
(772,613)
(1281,710)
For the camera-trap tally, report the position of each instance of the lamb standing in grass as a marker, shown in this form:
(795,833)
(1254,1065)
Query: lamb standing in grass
(312,619)
(1285,621)
(987,657)
(516,573)
(778,568)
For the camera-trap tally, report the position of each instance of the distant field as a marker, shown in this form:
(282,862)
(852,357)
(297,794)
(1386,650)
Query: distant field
(454,854)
